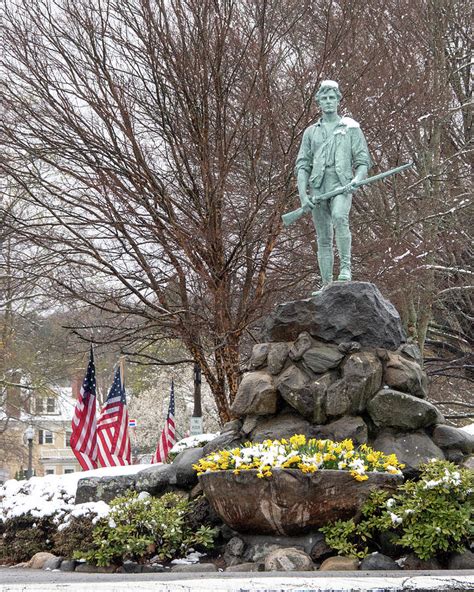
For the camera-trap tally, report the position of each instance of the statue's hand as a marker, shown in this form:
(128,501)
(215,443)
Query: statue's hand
(352,186)
(306,201)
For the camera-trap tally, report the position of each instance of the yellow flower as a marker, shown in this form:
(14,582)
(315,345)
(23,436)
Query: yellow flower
(358,477)
(298,440)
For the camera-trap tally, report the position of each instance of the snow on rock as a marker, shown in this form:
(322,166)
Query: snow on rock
(54,495)
(192,442)
(469,429)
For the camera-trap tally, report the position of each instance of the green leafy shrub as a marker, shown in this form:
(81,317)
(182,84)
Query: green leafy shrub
(428,516)
(76,536)
(25,535)
(140,526)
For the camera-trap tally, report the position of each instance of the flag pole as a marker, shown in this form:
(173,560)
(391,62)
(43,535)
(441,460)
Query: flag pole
(122,369)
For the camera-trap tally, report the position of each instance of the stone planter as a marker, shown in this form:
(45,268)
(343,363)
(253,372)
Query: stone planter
(290,502)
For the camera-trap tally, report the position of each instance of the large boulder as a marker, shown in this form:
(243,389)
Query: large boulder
(342,312)
(184,474)
(256,395)
(290,502)
(94,489)
(391,408)
(412,449)
(155,480)
(224,440)
(449,438)
(285,425)
(361,379)
(404,375)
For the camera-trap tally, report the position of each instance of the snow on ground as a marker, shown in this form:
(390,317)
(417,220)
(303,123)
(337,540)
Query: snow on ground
(55,495)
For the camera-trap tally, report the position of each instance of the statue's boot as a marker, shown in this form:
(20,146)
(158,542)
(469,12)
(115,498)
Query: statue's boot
(326,264)
(344,249)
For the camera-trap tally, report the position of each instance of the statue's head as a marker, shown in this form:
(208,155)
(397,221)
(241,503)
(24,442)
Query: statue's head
(326,87)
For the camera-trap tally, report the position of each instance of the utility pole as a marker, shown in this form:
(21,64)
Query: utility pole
(196,419)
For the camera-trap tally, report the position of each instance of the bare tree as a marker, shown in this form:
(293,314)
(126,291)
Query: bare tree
(156,142)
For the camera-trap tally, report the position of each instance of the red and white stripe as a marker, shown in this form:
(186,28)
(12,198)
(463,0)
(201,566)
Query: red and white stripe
(112,432)
(168,435)
(84,424)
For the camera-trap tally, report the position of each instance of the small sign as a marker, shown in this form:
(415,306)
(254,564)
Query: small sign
(132,423)
(196,426)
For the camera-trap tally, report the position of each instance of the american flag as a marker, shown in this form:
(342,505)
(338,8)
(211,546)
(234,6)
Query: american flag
(168,436)
(112,427)
(84,428)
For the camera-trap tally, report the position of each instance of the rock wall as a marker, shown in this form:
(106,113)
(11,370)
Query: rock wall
(338,366)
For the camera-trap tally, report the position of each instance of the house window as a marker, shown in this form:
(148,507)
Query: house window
(50,471)
(68,470)
(45,437)
(67,439)
(47,405)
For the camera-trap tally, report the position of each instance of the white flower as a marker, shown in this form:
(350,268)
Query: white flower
(395,519)
(390,502)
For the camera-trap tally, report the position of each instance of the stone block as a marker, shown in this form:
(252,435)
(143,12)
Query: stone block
(391,408)
(412,449)
(353,428)
(184,474)
(256,395)
(339,564)
(447,437)
(322,357)
(302,343)
(405,375)
(289,559)
(280,426)
(258,358)
(277,356)
(156,479)
(378,562)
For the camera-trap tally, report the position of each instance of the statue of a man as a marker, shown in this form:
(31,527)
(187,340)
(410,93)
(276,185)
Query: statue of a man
(333,154)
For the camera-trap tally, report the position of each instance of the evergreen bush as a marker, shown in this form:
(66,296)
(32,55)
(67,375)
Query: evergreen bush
(429,517)
(139,527)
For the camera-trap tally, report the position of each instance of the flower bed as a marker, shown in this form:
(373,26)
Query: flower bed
(308,456)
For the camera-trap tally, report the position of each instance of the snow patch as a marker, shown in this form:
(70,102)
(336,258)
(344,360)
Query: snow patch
(349,122)
(54,495)
(192,442)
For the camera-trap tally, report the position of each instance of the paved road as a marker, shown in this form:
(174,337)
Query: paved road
(16,580)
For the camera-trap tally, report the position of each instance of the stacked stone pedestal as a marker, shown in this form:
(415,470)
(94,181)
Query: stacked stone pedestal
(338,366)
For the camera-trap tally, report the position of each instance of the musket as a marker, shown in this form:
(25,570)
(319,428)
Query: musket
(294,215)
